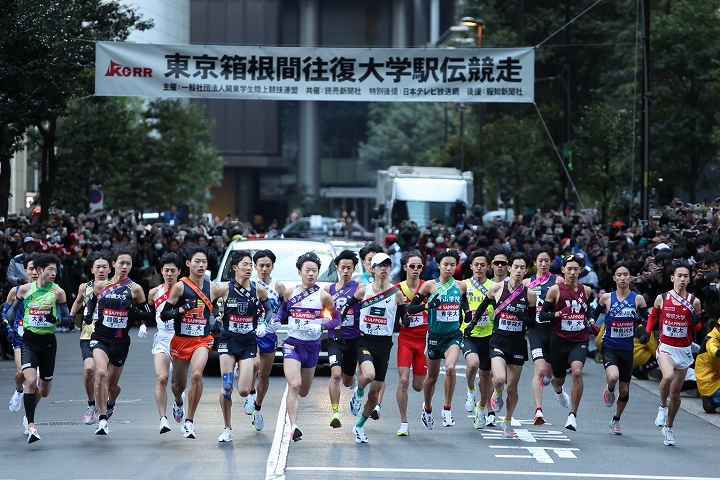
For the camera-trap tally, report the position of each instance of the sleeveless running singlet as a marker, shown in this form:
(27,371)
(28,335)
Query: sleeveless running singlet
(38,312)
(475,296)
(512,320)
(377,312)
(196,321)
(341,297)
(242,308)
(676,322)
(445,318)
(307,311)
(620,323)
(571,325)
(113,311)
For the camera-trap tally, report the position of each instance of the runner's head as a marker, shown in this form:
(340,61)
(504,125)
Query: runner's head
(308,265)
(479,263)
(621,275)
(30,268)
(264,263)
(196,259)
(542,261)
(46,266)
(367,252)
(447,260)
(100,265)
(381,265)
(122,263)
(170,267)
(412,262)
(241,263)
(572,265)
(518,267)
(345,264)
(681,275)
(499,264)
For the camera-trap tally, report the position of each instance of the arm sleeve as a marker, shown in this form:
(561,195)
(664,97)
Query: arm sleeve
(8,313)
(532,312)
(141,311)
(417,305)
(597,311)
(170,312)
(333,322)
(91,305)
(547,314)
(653,319)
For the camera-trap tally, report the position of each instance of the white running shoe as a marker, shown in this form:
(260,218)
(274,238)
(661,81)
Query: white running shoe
(571,423)
(661,418)
(507,429)
(470,400)
(164,425)
(447,418)
(608,397)
(90,416)
(359,434)
(404,430)
(33,435)
(479,419)
(496,402)
(668,436)
(225,436)
(375,414)
(179,411)
(563,398)
(16,401)
(249,404)
(615,428)
(490,419)
(189,430)
(427,419)
(103,427)
(355,404)
(26,432)
(258,421)
(539,417)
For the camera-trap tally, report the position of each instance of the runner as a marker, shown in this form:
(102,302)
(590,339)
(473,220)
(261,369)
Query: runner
(366,254)
(539,332)
(378,312)
(110,310)
(514,310)
(676,312)
(45,306)
(411,341)
(264,263)
(476,341)
(100,269)
(444,298)
(624,311)
(169,269)
(237,343)
(343,346)
(12,317)
(566,308)
(303,308)
(499,266)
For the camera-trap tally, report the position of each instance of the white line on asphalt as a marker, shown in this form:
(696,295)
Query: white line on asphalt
(277,459)
(495,472)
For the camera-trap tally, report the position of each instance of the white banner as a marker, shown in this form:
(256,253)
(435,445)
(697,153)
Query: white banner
(330,74)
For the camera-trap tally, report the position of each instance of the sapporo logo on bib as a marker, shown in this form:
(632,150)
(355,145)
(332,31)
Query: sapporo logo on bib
(448,312)
(38,317)
(193,322)
(622,329)
(509,322)
(115,317)
(240,323)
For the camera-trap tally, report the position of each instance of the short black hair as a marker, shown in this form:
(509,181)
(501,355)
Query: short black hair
(518,256)
(121,251)
(478,254)
(578,258)
(190,252)
(42,260)
(495,251)
(620,265)
(170,258)
(540,251)
(308,257)
(99,255)
(371,247)
(264,254)
(27,259)
(346,255)
(238,255)
(408,255)
(675,265)
(447,253)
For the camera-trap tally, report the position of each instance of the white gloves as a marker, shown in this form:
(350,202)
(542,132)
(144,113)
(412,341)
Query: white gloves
(142,331)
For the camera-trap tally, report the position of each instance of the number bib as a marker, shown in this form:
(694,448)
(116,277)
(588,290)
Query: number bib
(509,323)
(417,320)
(240,324)
(572,325)
(193,323)
(675,330)
(448,312)
(621,329)
(38,318)
(484,320)
(115,318)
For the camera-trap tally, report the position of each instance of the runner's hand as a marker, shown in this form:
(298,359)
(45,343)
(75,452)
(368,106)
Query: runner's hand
(142,331)
(261,330)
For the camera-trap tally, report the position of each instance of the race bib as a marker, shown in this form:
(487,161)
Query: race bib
(417,320)
(448,312)
(240,324)
(38,318)
(622,330)
(192,329)
(572,325)
(675,331)
(115,318)
(509,323)
(484,320)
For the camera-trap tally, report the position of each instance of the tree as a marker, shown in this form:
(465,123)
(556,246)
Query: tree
(48,57)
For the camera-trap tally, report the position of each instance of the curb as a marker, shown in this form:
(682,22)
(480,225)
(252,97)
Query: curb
(691,405)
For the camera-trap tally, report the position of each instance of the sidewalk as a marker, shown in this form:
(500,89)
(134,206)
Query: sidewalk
(690,404)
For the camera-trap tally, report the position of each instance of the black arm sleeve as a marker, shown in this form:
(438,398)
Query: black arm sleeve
(417,305)
(547,314)
(401,316)
(597,311)
(90,309)
(170,312)
(141,311)
(350,304)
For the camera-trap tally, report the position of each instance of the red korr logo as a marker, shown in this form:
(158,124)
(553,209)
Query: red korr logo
(117,70)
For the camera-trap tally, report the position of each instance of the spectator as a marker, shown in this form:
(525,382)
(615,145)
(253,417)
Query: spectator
(707,371)
(16,268)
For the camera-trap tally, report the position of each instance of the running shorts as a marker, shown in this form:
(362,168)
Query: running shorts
(622,359)
(305,352)
(343,353)
(513,349)
(375,349)
(161,342)
(39,352)
(411,353)
(563,353)
(267,343)
(480,346)
(437,345)
(681,356)
(539,339)
(241,347)
(116,352)
(183,348)
(85,350)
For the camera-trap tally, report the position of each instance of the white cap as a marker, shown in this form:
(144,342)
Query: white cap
(661,246)
(379,258)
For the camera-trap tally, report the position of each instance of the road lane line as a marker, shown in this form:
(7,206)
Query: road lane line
(441,471)
(277,459)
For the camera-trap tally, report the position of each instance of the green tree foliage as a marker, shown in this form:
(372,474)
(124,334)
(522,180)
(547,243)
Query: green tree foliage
(146,158)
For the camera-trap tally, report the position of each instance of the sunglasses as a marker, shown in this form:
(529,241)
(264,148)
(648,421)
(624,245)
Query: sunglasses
(500,263)
(417,266)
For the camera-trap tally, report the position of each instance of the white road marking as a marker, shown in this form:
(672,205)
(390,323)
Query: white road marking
(540,454)
(525,435)
(277,459)
(440,471)
(457,374)
(118,402)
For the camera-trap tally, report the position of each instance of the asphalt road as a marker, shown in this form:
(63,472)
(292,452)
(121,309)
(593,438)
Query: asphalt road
(135,450)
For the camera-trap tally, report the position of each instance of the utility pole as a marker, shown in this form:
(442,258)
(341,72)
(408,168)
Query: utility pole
(645,118)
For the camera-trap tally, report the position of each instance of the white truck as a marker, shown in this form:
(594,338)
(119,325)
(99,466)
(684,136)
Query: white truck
(422,194)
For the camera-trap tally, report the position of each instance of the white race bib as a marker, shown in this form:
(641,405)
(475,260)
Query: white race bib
(572,325)
(622,330)
(417,320)
(115,318)
(37,318)
(192,329)
(675,331)
(240,324)
(448,312)
(509,323)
